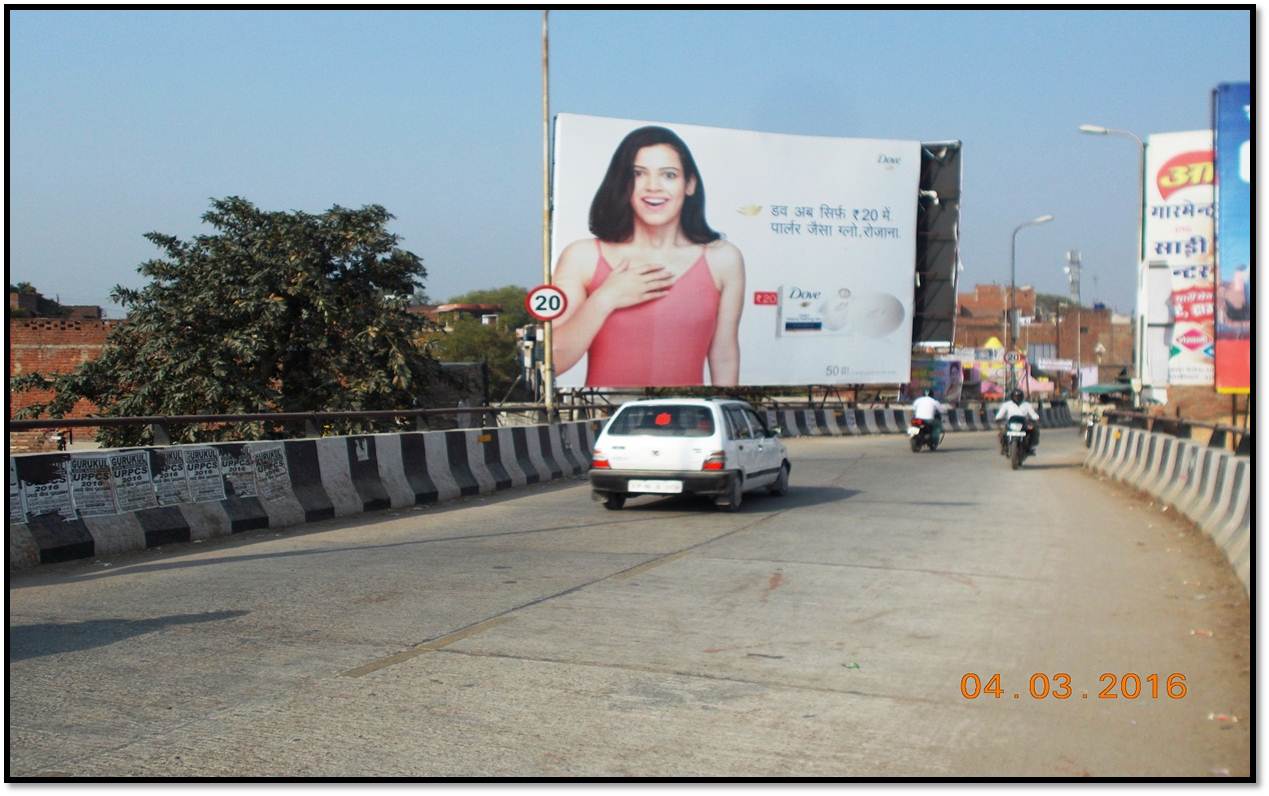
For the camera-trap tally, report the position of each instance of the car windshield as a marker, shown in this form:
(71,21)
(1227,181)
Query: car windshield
(663,420)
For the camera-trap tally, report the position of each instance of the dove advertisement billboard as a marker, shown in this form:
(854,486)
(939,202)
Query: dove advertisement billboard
(705,256)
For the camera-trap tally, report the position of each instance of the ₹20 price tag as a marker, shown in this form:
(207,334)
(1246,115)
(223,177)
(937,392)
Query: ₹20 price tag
(546,302)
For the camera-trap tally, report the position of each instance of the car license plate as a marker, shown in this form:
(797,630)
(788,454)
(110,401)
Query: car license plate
(656,487)
(913,431)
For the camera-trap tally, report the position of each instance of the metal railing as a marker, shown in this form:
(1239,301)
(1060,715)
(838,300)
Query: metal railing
(310,422)
(1221,437)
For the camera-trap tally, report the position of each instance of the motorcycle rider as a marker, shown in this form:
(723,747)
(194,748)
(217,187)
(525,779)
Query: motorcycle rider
(928,409)
(1018,405)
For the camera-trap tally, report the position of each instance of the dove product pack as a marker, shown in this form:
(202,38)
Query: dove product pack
(808,310)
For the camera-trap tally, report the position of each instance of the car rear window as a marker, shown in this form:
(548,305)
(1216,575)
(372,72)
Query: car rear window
(665,420)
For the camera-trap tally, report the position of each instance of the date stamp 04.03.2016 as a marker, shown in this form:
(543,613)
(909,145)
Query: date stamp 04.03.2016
(1058,685)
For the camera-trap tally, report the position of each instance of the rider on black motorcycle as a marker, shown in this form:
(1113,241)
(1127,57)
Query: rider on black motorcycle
(929,409)
(1015,406)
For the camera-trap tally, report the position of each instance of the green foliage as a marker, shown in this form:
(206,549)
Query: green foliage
(274,311)
(510,298)
(471,341)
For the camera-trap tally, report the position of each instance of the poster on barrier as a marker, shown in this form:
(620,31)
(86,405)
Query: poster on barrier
(134,489)
(202,469)
(171,485)
(16,512)
(1233,238)
(798,269)
(238,469)
(273,481)
(46,487)
(91,486)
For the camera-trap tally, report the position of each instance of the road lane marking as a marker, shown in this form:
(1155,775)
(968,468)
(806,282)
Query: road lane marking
(470,630)
(634,667)
(428,646)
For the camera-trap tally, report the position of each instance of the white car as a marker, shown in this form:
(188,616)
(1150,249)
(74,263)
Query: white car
(701,446)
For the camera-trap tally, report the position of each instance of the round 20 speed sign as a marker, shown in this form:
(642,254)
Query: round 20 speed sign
(546,302)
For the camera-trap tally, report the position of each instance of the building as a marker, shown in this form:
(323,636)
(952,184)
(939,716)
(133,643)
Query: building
(50,338)
(1048,328)
(446,314)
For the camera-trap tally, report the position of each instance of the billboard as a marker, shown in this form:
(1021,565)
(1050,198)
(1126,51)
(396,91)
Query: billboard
(1180,201)
(705,256)
(1232,110)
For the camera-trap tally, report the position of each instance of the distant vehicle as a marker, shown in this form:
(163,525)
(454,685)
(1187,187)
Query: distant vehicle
(921,432)
(1017,445)
(719,448)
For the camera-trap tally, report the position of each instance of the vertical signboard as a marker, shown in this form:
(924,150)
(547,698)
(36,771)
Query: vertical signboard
(1232,109)
(797,269)
(1180,202)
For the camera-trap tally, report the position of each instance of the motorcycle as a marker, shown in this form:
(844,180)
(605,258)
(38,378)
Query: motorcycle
(1016,443)
(921,433)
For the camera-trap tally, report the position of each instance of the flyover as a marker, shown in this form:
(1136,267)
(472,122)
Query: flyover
(532,633)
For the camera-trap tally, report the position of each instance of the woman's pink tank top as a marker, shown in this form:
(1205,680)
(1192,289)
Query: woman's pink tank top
(662,342)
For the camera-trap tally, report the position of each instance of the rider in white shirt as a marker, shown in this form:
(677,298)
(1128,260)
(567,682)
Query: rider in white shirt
(1018,405)
(927,408)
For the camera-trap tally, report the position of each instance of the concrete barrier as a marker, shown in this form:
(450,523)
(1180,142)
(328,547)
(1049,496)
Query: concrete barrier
(1211,487)
(894,420)
(67,506)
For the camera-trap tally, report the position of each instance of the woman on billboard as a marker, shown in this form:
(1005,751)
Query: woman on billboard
(656,293)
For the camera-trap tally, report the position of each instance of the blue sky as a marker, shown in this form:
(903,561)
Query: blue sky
(124,122)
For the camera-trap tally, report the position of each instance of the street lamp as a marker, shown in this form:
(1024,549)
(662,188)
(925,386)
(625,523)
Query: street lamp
(1010,315)
(1139,337)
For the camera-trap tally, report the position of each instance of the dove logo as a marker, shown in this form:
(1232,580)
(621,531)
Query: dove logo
(798,294)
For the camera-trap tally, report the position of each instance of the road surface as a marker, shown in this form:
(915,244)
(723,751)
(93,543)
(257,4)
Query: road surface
(534,633)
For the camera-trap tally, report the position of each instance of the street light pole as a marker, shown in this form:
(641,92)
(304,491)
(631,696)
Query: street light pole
(1010,318)
(1138,339)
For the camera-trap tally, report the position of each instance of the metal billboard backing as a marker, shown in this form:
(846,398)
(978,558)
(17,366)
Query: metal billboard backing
(937,244)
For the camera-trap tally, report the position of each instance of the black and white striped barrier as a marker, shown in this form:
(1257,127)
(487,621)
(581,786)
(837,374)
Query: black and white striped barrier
(1210,486)
(847,422)
(65,506)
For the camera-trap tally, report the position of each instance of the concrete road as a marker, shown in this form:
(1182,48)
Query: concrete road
(826,633)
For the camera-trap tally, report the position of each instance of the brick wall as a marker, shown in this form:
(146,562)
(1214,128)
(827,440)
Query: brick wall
(991,301)
(48,346)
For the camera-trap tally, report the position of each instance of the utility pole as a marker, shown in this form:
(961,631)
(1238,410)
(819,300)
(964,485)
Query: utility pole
(548,355)
(1072,269)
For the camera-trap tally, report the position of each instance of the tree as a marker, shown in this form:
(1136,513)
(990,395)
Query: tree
(274,311)
(469,340)
(510,298)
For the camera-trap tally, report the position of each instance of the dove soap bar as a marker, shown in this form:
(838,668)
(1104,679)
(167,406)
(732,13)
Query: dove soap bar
(812,310)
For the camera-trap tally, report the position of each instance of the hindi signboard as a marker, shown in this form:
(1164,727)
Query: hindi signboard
(1180,202)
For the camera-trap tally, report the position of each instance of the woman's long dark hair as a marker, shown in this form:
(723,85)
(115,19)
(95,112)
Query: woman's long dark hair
(612,218)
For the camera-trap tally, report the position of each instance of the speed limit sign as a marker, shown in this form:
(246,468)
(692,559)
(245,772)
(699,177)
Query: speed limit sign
(1012,357)
(546,302)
